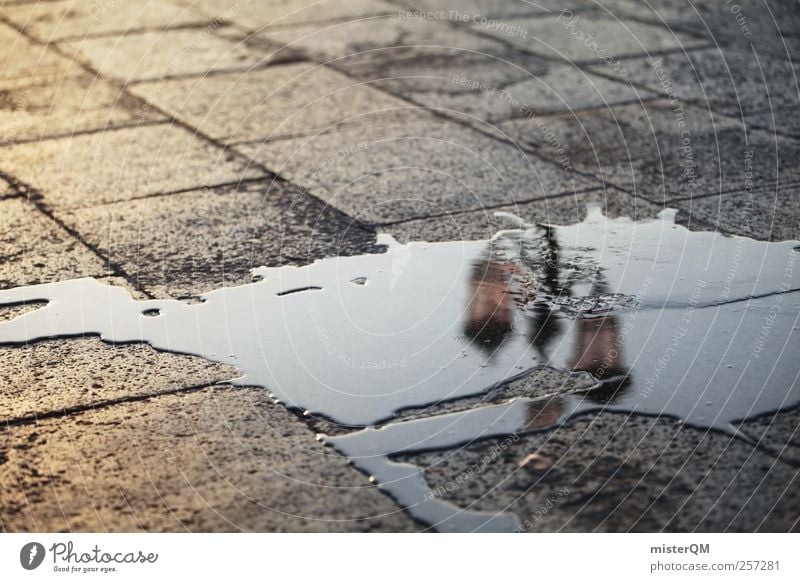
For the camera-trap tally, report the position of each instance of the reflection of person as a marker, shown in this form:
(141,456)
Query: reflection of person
(543,413)
(530,259)
(490,312)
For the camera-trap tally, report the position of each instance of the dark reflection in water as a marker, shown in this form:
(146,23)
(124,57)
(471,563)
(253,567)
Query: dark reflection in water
(692,325)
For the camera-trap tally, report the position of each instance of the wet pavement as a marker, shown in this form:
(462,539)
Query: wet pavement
(167,148)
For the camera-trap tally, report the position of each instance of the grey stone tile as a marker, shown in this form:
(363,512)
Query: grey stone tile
(155,54)
(186,244)
(76,103)
(253,16)
(328,42)
(400,170)
(35,249)
(770,214)
(282,100)
(483,224)
(621,473)
(777,433)
(60,375)
(96,168)
(584,38)
(220,459)
(49,21)
(660,150)
(489,88)
(729,81)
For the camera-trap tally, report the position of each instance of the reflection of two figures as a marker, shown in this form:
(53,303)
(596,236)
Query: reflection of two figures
(523,276)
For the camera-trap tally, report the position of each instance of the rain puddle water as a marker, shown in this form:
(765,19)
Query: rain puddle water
(692,325)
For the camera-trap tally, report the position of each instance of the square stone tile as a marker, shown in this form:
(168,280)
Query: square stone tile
(156,54)
(484,224)
(734,82)
(769,214)
(490,88)
(35,249)
(400,170)
(282,100)
(50,21)
(661,150)
(215,460)
(585,38)
(253,15)
(34,108)
(96,168)
(186,244)
(344,40)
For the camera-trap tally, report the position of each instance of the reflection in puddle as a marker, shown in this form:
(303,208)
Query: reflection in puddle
(692,325)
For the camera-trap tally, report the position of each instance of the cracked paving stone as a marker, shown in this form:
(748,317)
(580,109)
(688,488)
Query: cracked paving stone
(619,473)
(391,170)
(51,376)
(489,88)
(73,104)
(660,150)
(282,100)
(253,16)
(51,21)
(85,170)
(186,244)
(219,459)
(155,54)
(483,224)
(34,249)
(595,37)
(412,38)
(726,83)
(770,214)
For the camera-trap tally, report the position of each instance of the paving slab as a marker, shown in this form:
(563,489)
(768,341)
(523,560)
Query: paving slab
(765,28)
(220,459)
(617,473)
(726,82)
(186,244)
(769,214)
(50,21)
(35,249)
(488,87)
(777,434)
(326,42)
(586,38)
(62,107)
(661,150)
(181,52)
(96,168)
(279,101)
(483,224)
(385,172)
(252,15)
(21,58)
(56,377)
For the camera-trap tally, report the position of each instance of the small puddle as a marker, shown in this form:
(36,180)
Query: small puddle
(692,325)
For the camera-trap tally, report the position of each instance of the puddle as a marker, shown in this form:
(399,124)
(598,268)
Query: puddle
(692,325)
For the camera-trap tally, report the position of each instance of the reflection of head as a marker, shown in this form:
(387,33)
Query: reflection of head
(490,312)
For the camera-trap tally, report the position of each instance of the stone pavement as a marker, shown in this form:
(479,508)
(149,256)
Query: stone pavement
(168,146)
